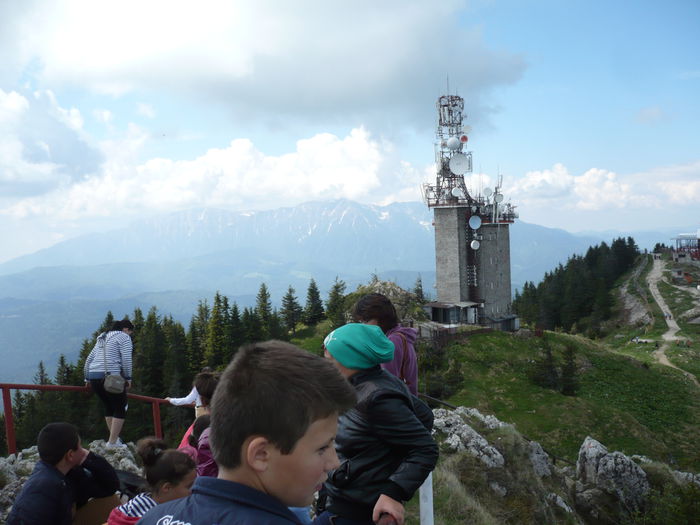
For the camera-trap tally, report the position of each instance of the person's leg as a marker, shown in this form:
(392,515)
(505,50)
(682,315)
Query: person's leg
(115,429)
(97,386)
(118,409)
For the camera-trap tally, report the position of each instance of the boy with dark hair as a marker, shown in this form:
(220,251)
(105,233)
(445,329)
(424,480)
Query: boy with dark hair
(384,442)
(274,416)
(66,475)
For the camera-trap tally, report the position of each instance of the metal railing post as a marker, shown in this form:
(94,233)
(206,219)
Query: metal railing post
(425,495)
(9,421)
(156,419)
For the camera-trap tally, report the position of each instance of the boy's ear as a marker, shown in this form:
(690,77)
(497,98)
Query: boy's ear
(256,453)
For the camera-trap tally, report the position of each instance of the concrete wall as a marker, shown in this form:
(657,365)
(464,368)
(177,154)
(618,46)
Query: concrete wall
(492,260)
(451,254)
(493,273)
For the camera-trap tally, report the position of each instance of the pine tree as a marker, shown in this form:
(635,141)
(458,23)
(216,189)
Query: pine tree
(263,309)
(252,326)
(569,382)
(335,305)
(291,311)
(276,328)
(150,350)
(418,291)
(235,335)
(313,310)
(197,338)
(150,357)
(215,342)
(177,379)
(544,371)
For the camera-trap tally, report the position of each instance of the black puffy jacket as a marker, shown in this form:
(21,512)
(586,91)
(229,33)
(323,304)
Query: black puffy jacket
(384,446)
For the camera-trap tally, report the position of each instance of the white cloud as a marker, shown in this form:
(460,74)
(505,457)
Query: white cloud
(314,59)
(145,110)
(43,146)
(103,116)
(602,199)
(238,176)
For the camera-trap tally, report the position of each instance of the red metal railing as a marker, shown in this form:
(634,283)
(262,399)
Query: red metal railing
(10,424)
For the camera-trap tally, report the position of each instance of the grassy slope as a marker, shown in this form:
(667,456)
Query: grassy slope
(653,411)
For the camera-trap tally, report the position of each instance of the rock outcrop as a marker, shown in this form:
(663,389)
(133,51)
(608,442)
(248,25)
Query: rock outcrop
(608,484)
(604,487)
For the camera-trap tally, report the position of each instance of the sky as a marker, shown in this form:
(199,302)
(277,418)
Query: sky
(111,112)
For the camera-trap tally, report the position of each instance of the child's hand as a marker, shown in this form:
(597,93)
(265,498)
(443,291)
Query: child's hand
(387,505)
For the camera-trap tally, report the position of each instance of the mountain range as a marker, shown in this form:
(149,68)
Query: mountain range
(52,299)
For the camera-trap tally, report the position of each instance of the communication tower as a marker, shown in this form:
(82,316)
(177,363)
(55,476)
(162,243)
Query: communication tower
(472,239)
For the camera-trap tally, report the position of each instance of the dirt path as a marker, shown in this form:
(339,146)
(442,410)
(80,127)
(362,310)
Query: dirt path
(670,335)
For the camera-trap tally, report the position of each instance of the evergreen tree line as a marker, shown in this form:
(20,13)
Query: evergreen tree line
(577,296)
(166,358)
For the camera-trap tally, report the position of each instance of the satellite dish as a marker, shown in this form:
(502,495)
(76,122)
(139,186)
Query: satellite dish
(475,245)
(453,143)
(456,192)
(488,192)
(459,164)
(498,197)
(474,222)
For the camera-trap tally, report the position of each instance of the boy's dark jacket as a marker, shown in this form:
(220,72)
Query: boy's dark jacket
(384,445)
(48,496)
(224,503)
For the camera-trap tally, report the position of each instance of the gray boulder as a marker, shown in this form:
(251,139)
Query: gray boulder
(608,483)
(461,437)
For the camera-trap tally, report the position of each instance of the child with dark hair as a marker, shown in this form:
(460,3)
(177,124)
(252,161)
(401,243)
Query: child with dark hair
(205,385)
(65,475)
(274,418)
(384,442)
(170,475)
(377,309)
(205,382)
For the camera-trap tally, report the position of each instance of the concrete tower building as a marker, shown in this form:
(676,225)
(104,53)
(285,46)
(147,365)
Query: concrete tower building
(472,241)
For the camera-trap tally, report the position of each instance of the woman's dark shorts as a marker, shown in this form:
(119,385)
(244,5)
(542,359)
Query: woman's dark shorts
(115,404)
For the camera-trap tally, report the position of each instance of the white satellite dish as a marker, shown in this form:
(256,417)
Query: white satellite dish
(453,143)
(488,192)
(474,222)
(456,192)
(475,245)
(498,197)
(459,164)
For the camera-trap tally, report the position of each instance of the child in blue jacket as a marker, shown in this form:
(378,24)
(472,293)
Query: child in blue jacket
(274,417)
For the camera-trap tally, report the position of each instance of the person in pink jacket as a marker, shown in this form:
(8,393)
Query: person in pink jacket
(377,309)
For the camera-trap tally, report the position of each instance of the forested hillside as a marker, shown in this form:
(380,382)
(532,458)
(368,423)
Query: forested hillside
(577,296)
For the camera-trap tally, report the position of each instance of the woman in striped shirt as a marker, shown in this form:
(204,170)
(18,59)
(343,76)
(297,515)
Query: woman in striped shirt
(170,475)
(111,355)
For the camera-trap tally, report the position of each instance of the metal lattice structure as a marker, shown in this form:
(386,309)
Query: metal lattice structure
(472,244)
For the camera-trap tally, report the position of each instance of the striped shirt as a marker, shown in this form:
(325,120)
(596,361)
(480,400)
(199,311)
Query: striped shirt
(138,505)
(117,350)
